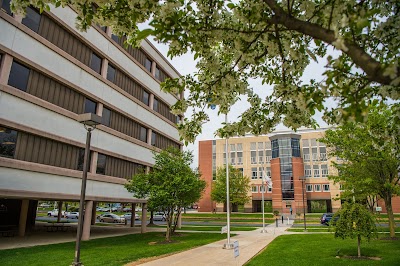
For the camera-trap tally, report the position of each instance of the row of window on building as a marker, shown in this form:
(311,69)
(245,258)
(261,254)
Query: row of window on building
(47,88)
(261,153)
(28,147)
(55,33)
(308,187)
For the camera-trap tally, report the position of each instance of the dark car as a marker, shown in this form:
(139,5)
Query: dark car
(327,217)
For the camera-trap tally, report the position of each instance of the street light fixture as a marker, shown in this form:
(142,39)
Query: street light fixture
(303,178)
(228,244)
(90,121)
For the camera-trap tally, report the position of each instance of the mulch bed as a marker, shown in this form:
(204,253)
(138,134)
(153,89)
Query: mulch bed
(358,258)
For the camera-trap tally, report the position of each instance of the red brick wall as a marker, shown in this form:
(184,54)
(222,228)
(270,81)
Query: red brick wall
(276,184)
(205,166)
(298,171)
(395,205)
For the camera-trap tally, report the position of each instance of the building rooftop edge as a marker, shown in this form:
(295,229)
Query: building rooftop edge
(285,131)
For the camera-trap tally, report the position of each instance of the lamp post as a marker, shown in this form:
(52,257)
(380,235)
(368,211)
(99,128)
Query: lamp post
(90,121)
(228,244)
(303,178)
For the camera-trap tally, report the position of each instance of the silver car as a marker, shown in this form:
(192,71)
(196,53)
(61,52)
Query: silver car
(111,218)
(159,216)
(72,215)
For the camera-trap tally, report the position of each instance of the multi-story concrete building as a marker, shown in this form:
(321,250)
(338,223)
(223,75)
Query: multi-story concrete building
(287,157)
(49,74)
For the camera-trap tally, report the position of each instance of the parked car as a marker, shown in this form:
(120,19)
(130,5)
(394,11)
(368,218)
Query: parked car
(54,213)
(127,209)
(72,215)
(159,216)
(111,218)
(128,216)
(327,217)
(44,205)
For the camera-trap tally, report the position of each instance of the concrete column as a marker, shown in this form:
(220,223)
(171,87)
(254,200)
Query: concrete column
(151,101)
(87,220)
(144,218)
(104,68)
(23,217)
(109,31)
(133,214)
(149,134)
(18,18)
(153,67)
(6,62)
(93,162)
(93,222)
(60,203)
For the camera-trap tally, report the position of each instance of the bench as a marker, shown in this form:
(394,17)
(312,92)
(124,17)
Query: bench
(57,227)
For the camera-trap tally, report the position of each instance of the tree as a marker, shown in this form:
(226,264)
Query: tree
(271,40)
(355,221)
(239,186)
(370,153)
(170,186)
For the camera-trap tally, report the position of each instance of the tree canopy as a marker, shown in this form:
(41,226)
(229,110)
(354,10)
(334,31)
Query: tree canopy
(239,186)
(271,40)
(370,154)
(170,186)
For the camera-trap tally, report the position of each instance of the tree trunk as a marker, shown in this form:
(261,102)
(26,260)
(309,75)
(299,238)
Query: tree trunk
(388,203)
(359,245)
(151,222)
(169,217)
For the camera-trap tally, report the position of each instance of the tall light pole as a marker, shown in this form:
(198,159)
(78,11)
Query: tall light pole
(228,244)
(303,178)
(90,121)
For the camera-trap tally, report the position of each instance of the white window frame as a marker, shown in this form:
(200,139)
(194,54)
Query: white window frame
(317,188)
(324,188)
(309,186)
(254,189)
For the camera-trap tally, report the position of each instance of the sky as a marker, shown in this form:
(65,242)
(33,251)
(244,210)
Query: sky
(185,64)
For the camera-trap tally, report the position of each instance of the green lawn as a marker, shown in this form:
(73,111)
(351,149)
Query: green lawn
(106,251)
(215,228)
(223,215)
(321,249)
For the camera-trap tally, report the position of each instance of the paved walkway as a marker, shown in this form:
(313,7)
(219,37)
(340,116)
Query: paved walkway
(250,243)
(41,237)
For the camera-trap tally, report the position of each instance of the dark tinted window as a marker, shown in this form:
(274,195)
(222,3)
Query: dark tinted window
(81,158)
(32,19)
(178,119)
(95,63)
(19,76)
(90,106)
(101,164)
(8,141)
(115,38)
(157,74)
(147,64)
(155,105)
(143,134)
(106,117)
(153,138)
(111,73)
(5,5)
(103,28)
(145,98)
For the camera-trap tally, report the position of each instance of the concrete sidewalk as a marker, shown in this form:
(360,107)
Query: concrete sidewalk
(250,243)
(41,237)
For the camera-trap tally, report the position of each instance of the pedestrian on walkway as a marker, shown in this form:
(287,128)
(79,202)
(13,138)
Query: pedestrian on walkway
(291,210)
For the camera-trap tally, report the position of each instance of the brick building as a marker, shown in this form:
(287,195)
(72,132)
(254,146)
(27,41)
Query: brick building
(285,156)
